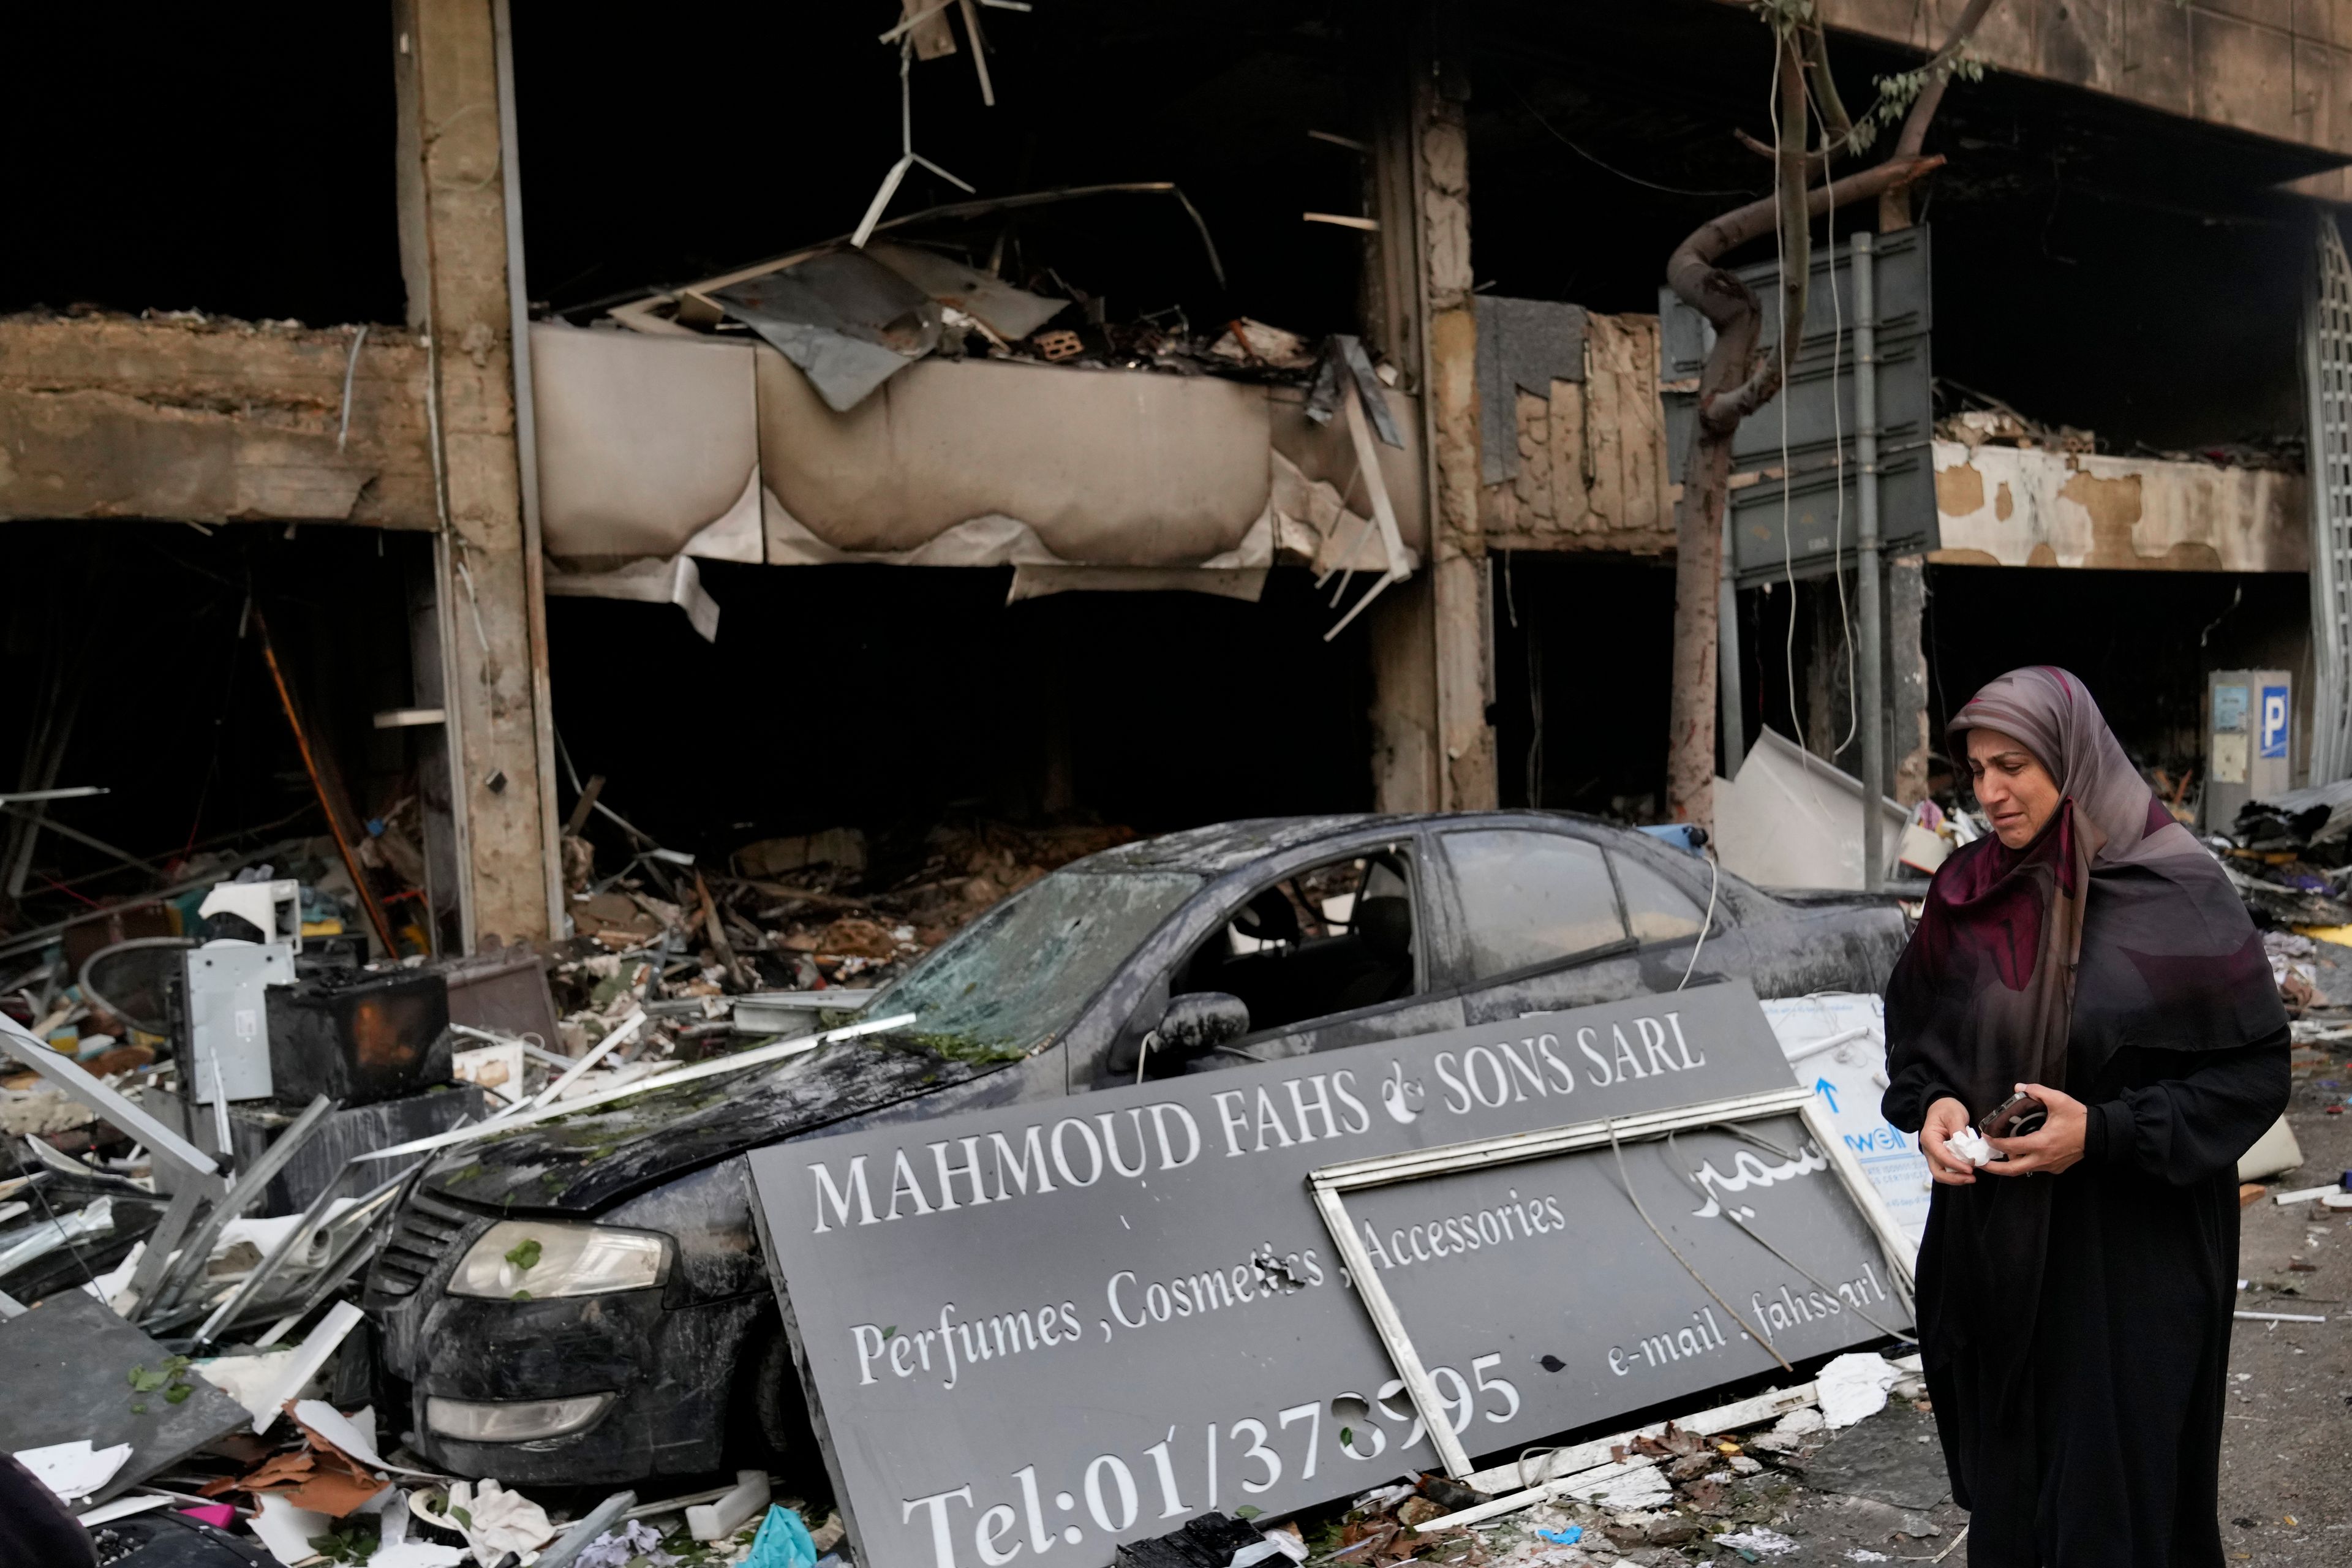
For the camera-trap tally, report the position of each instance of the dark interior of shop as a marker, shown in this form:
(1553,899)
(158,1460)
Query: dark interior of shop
(891,697)
(167,701)
(886,696)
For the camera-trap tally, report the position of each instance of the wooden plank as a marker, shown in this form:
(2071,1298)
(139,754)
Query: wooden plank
(1604,422)
(1533,486)
(1571,498)
(1635,345)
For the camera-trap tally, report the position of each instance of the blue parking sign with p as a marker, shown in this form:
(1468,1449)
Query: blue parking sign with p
(2273,722)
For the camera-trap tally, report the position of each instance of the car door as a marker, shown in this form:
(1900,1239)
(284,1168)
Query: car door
(1414,1006)
(1538,919)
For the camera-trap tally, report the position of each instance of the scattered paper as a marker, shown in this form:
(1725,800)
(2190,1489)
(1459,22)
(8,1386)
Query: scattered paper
(1853,1386)
(352,1435)
(250,1380)
(1757,1539)
(74,1469)
(288,1530)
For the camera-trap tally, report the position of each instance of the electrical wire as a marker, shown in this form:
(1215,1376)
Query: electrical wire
(33,1186)
(1837,448)
(1714,880)
(90,992)
(1607,168)
(1781,347)
(1682,1168)
(1627,1183)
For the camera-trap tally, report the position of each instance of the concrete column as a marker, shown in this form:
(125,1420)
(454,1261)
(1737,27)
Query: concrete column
(1905,682)
(1458,578)
(1404,698)
(493,654)
(1433,657)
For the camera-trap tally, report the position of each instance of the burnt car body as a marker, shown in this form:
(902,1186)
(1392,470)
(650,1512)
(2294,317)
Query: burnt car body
(1247,941)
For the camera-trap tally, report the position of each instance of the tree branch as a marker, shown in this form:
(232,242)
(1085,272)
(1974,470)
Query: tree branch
(1837,125)
(1815,160)
(1693,262)
(1931,94)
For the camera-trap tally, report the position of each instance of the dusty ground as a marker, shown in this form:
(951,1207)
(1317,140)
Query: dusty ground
(2286,1453)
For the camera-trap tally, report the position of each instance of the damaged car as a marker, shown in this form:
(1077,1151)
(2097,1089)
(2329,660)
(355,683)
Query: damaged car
(583,1300)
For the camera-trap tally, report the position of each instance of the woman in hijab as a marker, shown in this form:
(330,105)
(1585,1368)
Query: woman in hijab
(2075,1294)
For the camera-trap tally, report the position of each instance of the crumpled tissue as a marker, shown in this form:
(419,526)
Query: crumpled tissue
(1852,1387)
(493,1521)
(1970,1145)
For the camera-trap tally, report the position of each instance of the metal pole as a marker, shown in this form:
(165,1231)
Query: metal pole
(1873,632)
(1732,723)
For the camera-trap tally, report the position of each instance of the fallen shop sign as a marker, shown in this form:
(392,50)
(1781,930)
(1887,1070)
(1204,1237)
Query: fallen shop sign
(1042,1331)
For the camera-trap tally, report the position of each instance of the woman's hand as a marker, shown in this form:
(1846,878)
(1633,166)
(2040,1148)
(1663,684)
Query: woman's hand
(2053,1149)
(1945,1117)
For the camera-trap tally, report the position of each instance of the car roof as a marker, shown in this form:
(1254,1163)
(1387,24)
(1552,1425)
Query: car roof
(1229,847)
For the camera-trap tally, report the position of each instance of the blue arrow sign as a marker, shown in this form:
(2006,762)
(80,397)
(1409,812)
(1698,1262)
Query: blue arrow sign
(1828,1091)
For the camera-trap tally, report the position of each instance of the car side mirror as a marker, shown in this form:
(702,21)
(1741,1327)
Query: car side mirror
(1198,1022)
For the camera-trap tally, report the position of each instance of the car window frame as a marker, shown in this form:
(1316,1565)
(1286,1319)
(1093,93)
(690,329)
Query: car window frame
(1411,847)
(1661,862)
(1465,960)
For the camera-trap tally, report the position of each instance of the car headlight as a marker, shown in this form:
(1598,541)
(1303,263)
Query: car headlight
(513,1421)
(521,1259)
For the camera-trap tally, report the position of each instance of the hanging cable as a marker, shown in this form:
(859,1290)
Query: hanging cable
(1713,882)
(1627,1183)
(1682,1168)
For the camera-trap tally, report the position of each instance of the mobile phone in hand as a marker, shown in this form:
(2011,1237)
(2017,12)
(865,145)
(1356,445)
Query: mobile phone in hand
(2017,1117)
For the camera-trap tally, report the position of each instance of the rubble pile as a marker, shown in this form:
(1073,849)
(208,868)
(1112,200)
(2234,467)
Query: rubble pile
(797,914)
(2290,858)
(1668,1495)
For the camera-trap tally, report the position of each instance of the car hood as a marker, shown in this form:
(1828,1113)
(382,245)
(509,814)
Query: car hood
(585,1162)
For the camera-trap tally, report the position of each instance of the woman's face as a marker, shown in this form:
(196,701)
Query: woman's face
(2015,790)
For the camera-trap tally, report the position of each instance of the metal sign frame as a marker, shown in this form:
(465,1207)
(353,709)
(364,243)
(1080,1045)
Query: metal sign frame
(1332,1184)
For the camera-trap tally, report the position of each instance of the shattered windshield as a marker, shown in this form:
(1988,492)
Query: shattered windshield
(1015,977)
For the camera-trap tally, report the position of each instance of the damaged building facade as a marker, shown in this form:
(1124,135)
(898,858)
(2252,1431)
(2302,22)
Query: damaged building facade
(558,557)
(1121,427)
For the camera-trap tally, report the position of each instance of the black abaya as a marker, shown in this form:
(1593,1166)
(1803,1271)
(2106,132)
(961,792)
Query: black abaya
(2102,1448)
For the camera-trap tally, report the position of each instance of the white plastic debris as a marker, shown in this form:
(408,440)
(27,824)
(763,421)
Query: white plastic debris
(303,1364)
(1853,1386)
(74,1470)
(1280,1541)
(718,1520)
(1758,1539)
(355,1434)
(287,1530)
(250,1380)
